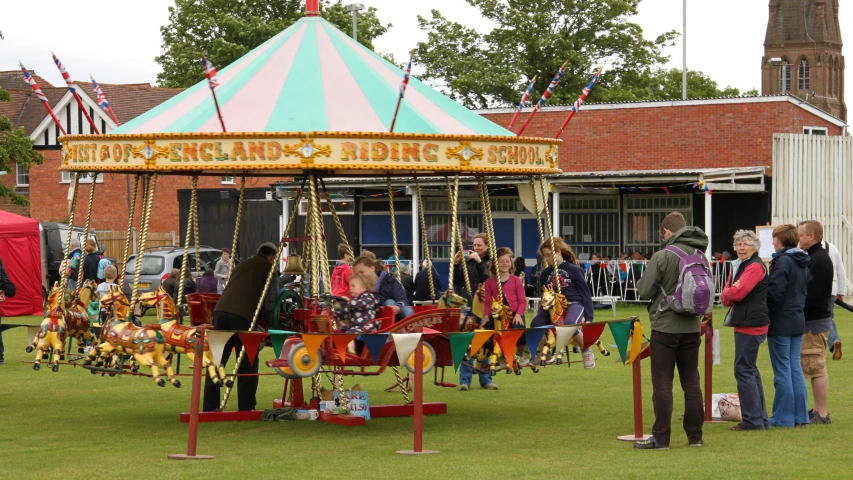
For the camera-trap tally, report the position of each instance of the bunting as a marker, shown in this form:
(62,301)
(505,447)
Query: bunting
(620,332)
(252,343)
(480,339)
(591,333)
(405,344)
(341,342)
(636,341)
(534,338)
(277,338)
(374,342)
(508,340)
(313,342)
(564,336)
(459,342)
(217,339)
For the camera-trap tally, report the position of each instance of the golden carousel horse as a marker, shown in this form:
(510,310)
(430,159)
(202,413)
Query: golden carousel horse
(121,336)
(502,317)
(51,335)
(557,305)
(77,317)
(180,339)
(478,303)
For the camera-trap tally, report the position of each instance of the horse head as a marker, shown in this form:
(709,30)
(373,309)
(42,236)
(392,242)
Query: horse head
(55,297)
(452,300)
(549,298)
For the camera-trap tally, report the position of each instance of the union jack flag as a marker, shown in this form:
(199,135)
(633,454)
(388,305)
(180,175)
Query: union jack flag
(209,72)
(577,105)
(100,97)
(32,83)
(547,93)
(526,96)
(64,73)
(408,74)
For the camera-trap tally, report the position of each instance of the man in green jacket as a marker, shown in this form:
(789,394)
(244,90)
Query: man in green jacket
(675,337)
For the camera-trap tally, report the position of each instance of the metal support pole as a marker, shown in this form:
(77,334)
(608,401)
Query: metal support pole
(192,438)
(419,402)
(708,217)
(555,211)
(355,25)
(638,405)
(416,238)
(684,46)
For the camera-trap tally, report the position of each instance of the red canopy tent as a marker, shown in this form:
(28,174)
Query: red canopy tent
(19,249)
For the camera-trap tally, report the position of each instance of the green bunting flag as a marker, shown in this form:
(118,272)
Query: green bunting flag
(277,338)
(620,332)
(459,343)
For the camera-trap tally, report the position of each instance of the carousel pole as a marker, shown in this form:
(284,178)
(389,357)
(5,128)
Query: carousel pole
(403,86)
(237,225)
(545,96)
(73,89)
(425,239)
(129,237)
(80,271)
(143,237)
(523,102)
(577,105)
(64,282)
(187,239)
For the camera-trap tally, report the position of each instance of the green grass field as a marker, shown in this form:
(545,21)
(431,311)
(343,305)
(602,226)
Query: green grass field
(562,422)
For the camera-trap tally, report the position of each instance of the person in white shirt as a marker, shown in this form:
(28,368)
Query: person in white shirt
(839,289)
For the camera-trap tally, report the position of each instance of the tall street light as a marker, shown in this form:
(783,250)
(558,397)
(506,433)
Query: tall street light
(354,9)
(684,43)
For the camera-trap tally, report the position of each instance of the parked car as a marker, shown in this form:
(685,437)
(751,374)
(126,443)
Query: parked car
(53,238)
(159,261)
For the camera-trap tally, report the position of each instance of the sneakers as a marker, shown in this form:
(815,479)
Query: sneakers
(816,419)
(490,386)
(588,359)
(699,444)
(650,444)
(2,362)
(836,350)
(464,387)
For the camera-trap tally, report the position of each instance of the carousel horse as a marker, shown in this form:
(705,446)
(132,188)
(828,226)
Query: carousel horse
(51,335)
(180,339)
(120,336)
(478,303)
(557,305)
(76,313)
(451,300)
(502,316)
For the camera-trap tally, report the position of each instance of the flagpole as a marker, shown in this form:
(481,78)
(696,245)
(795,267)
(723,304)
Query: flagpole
(545,96)
(101,99)
(32,83)
(73,90)
(577,105)
(403,86)
(210,73)
(524,99)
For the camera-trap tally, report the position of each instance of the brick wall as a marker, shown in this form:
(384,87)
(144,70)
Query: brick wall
(10,180)
(671,137)
(49,197)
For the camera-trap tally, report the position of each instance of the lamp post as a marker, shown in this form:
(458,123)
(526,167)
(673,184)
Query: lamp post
(354,9)
(684,44)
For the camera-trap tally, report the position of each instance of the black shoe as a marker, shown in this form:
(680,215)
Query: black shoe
(650,444)
(699,444)
(818,420)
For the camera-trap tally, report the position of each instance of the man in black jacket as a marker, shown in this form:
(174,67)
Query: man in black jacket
(818,315)
(7,289)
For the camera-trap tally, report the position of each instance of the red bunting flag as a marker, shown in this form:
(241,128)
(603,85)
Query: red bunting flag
(591,333)
(341,342)
(508,340)
(252,343)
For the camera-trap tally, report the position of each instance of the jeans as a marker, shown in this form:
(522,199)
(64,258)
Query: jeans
(791,402)
(405,310)
(833,331)
(72,284)
(466,372)
(670,351)
(247,387)
(750,390)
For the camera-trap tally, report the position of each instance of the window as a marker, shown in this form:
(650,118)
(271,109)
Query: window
(85,178)
(803,83)
(343,206)
(590,223)
(644,214)
(228,180)
(151,265)
(23,175)
(785,79)
(815,131)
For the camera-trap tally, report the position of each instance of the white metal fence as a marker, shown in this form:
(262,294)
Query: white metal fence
(619,278)
(813,180)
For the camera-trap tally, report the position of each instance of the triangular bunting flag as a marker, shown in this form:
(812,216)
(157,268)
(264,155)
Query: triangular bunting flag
(636,341)
(508,340)
(341,342)
(217,339)
(32,331)
(620,332)
(277,338)
(405,344)
(459,342)
(564,336)
(429,331)
(534,338)
(252,342)
(480,338)
(591,333)
(374,343)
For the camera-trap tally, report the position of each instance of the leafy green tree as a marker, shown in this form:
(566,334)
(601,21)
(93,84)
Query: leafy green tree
(15,146)
(226,30)
(662,84)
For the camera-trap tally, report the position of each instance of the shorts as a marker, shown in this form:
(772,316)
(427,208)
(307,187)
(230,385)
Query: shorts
(813,354)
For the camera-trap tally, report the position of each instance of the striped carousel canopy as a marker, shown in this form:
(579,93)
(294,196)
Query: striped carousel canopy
(311,77)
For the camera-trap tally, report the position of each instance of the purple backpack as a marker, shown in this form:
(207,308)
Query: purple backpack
(694,292)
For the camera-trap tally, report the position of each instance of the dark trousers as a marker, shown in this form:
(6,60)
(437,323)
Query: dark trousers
(247,387)
(668,351)
(750,391)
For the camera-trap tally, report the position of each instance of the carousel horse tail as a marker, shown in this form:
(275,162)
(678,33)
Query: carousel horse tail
(601,348)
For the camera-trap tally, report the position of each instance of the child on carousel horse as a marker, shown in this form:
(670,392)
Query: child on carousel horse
(359,312)
(570,280)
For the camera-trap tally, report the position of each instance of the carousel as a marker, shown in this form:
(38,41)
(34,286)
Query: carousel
(307,105)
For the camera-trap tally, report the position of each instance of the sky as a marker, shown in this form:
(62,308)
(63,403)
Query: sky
(117,41)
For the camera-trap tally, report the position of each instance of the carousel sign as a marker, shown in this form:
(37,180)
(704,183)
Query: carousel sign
(280,153)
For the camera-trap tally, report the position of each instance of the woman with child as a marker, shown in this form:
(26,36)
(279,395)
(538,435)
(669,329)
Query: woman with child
(387,289)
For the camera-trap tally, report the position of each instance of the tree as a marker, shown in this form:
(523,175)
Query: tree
(662,84)
(226,30)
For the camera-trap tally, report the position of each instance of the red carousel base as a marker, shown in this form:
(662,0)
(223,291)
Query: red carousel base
(208,417)
(407,410)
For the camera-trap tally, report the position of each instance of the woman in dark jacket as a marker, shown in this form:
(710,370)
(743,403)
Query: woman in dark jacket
(786,298)
(208,282)
(746,294)
(388,290)
(422,283)
(90,263)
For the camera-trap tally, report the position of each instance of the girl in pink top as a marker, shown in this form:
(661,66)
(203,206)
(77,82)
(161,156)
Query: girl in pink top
(512,287)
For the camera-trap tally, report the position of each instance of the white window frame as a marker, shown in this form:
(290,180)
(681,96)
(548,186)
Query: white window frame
(813,131)
(65,177)
(227,180)
(18,168)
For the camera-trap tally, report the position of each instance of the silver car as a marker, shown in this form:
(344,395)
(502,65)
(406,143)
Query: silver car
(158,262)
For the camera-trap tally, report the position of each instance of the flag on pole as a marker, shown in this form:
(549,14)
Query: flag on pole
(577,105)
(405,83)
(28,77)
(209,72)
(64,73)
(524,98)
(102,100)
(545,96)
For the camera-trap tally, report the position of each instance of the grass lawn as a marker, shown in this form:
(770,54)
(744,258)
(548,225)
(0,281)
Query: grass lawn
(562,422)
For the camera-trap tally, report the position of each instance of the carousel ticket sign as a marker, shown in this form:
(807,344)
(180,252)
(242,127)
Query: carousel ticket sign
(286,153)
